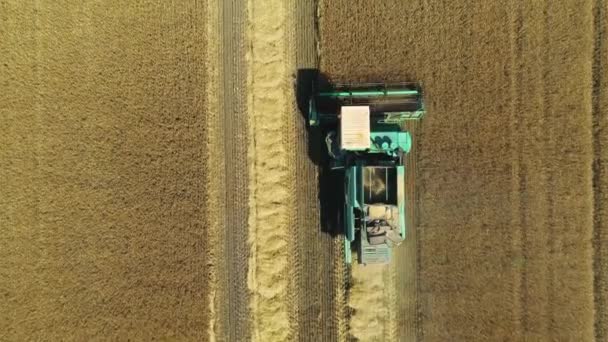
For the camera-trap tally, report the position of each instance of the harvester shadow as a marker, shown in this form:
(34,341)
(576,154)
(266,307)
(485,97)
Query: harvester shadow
(330,182)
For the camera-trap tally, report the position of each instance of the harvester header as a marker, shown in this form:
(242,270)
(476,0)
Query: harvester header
(397,101)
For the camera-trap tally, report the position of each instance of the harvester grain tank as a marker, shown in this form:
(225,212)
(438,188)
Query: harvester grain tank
(366,140)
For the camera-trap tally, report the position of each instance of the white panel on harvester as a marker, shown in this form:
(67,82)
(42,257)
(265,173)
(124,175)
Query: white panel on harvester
(354,128)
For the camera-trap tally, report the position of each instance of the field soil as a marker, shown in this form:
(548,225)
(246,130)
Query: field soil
(102,168)
(511,211)
(228,206)
(318,271)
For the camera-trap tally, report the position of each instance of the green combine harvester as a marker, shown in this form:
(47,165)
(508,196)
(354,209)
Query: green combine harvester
(365,138)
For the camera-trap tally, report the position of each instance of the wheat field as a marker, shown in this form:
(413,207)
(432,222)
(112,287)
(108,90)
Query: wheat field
(158,182)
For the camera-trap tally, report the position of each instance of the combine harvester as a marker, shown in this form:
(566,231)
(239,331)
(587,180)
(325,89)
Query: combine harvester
(364,134)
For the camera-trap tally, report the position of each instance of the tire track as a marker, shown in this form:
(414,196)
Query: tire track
(214,179)
(234,299)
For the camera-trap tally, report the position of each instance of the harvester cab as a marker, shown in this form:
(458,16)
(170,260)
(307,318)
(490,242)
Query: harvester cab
(365,137)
